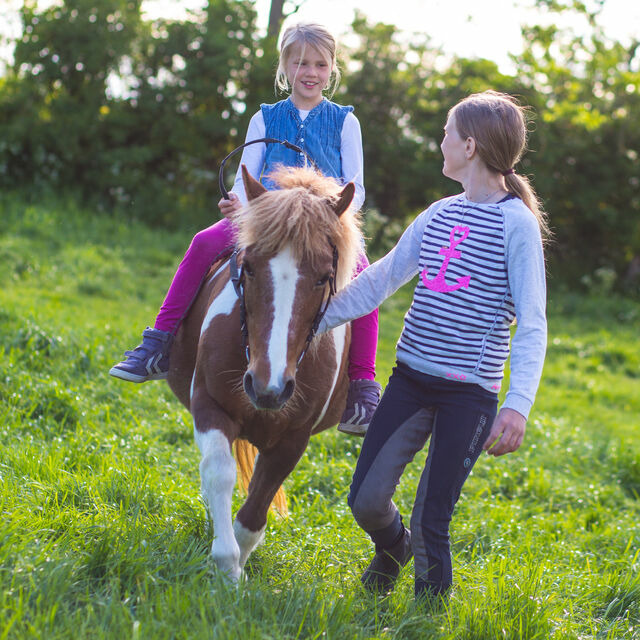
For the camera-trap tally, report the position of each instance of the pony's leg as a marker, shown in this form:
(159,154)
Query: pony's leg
(247,540)
(271,469)
(218,479)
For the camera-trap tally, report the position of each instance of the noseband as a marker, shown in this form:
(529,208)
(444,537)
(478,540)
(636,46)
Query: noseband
(237,278)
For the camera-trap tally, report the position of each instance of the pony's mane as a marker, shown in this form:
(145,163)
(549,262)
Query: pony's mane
(299,213)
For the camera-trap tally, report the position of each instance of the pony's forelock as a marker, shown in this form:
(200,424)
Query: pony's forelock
(299,213)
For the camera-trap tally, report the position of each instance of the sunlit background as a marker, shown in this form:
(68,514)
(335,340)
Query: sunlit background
(467,28)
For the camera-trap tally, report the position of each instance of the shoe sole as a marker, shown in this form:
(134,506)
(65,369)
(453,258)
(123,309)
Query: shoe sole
(132,377)
(353,429)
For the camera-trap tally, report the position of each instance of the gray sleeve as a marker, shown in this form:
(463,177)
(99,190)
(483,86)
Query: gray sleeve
(526,274)
(378,281)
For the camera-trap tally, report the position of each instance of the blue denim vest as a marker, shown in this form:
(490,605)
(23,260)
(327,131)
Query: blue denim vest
(320,135)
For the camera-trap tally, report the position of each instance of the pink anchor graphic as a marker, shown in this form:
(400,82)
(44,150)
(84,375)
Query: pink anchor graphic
(439,283)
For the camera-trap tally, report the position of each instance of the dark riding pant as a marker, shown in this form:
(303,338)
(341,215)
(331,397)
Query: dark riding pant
(458,417)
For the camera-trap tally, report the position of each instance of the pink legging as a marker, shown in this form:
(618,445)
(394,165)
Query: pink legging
(212,243)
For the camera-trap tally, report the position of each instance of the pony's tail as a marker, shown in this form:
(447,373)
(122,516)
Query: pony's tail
(246,455)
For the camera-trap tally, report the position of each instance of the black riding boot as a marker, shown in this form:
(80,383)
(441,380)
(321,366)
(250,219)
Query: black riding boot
(383,571)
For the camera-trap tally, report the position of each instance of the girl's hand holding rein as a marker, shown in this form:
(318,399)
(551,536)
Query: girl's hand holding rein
(228,207)
(509,426)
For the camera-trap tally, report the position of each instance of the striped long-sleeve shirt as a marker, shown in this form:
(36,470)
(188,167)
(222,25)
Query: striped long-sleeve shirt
(480,266)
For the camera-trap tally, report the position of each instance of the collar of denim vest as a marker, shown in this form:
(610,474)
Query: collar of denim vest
(312,114)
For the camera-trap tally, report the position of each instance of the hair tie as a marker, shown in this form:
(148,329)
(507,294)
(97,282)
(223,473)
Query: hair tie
(508,172)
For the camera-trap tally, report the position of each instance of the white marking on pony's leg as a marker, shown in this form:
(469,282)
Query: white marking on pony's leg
(284,275)
(218,478)
(247,540)
(339,335)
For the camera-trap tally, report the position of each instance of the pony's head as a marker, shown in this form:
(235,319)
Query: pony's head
(288,239)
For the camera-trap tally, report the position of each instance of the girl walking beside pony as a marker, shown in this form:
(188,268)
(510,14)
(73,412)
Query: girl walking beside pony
(330,134)
(480,259)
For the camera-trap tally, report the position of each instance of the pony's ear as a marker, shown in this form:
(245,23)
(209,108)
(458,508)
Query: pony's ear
(252,187)
(344,199)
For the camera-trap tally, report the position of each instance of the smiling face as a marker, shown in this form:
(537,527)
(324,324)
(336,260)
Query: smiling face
(308,72)
(455,150)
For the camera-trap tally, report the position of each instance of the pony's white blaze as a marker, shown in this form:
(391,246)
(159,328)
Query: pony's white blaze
(284,276)
(218,478)
(339,335)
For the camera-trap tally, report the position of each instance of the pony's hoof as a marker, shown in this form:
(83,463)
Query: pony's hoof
(227,564)
(230,576)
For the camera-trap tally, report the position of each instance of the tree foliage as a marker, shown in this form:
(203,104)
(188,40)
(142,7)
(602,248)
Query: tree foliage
(128,112)
(586,142)
(134,113)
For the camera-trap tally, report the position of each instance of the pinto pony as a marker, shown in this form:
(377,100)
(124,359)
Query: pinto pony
(281,383)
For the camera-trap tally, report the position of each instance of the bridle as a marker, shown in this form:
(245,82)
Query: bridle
(237,278)
(237,273)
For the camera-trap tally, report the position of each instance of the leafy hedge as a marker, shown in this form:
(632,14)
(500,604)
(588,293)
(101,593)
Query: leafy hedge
(135,114)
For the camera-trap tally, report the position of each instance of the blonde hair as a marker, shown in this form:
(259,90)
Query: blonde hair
(312,35)
(498,124)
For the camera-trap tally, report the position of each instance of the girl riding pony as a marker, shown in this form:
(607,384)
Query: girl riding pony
(330,134)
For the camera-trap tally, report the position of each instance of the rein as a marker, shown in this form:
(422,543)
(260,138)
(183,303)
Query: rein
(237,278)
(286,143)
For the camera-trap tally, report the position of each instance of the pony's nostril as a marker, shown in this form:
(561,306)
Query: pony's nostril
(287,392)
(247,383)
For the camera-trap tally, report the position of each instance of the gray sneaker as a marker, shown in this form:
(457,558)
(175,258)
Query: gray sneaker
(362,400)
(148,361)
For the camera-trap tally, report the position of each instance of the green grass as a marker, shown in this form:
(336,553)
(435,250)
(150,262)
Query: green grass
(104,535)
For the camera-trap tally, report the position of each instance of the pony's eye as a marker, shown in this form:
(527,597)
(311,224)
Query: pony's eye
(247,269)
(323,280)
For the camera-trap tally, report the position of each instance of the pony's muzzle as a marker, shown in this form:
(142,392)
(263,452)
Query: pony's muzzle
(268,397)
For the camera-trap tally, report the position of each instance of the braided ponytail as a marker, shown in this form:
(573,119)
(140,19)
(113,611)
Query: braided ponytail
(520,186)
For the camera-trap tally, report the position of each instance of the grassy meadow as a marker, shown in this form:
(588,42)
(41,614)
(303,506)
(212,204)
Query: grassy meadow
(103,533)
